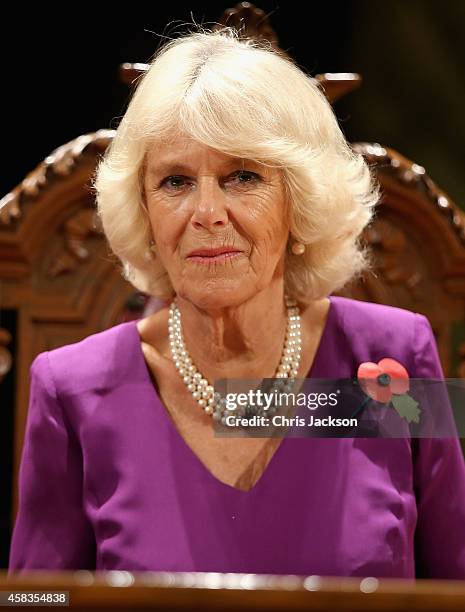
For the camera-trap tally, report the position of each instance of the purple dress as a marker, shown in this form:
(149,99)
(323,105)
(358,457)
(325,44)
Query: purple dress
(107,482)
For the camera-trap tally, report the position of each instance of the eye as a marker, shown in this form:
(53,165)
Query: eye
(243,177)
(173,182)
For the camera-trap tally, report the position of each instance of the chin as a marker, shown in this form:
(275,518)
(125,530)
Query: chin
(219,296)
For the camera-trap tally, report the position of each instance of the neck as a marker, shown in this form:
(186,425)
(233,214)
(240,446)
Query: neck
(243,341)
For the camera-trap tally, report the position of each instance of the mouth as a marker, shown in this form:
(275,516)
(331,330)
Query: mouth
(213,255)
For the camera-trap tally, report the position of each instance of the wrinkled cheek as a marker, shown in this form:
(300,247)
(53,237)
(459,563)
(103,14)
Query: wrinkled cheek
(269,246)
(167,256)
(276,237)
(165,238)
(259,258)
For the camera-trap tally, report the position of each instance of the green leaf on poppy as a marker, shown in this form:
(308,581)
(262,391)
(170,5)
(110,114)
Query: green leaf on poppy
(406,407)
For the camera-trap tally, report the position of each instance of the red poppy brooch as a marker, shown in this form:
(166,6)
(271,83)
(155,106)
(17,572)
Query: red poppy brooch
(388,381)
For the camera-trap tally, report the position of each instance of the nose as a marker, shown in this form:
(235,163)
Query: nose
(210,206)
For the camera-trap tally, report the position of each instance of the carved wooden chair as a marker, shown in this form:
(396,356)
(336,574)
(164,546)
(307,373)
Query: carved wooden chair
(58,276)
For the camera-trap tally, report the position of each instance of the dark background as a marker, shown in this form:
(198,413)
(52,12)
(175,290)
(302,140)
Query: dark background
(60,80)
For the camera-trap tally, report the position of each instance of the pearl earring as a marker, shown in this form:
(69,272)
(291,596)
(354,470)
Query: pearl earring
(298,248)
(152,249)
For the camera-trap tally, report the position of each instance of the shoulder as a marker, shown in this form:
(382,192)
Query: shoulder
(376,331)
(97,360)
(361,314)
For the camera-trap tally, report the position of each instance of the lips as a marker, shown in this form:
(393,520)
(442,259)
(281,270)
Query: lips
(213,252)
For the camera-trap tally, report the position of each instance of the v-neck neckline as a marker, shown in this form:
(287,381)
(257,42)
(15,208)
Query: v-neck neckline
(281,448)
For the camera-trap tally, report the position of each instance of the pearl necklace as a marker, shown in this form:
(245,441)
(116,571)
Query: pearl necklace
(204,393)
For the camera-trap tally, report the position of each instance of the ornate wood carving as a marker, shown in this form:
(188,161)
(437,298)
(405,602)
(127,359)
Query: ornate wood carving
(390,162)
(60,163)
(76,229)
(395,261)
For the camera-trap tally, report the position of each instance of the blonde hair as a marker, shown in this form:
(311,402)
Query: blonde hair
(243,98)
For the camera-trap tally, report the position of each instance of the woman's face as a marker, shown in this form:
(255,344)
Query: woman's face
(219,223)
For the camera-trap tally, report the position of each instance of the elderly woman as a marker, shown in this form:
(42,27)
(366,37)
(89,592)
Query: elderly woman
(230,192)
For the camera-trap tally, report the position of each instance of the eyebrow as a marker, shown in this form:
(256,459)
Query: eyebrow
(167,167)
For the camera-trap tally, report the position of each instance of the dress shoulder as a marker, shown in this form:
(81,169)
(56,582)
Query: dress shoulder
(373,315)
(97,361)
(372,331)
